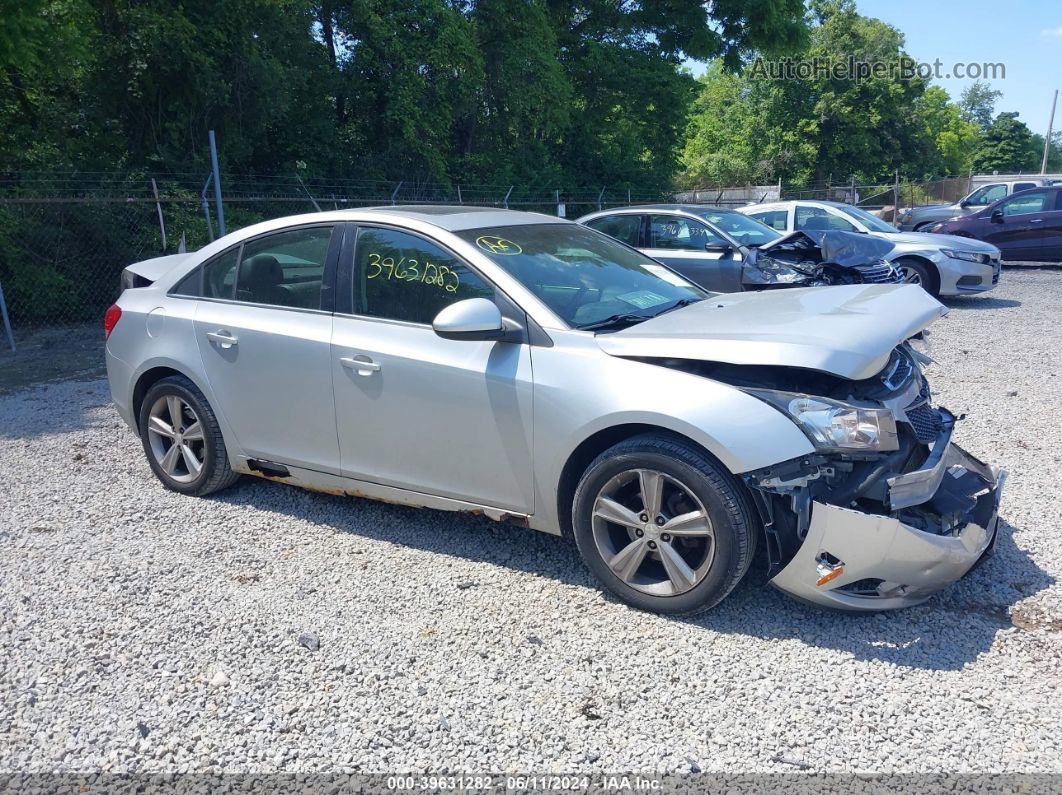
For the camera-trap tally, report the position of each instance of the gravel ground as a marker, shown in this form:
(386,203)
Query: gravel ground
(269,628)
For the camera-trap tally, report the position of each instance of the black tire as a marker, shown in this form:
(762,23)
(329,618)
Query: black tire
(927,274)
(722,496)
(215,474)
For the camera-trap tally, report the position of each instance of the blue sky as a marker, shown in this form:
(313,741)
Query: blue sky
(1026,35)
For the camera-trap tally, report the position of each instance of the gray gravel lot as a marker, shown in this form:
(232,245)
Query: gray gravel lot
(146,631)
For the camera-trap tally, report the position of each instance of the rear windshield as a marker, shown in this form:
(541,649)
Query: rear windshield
(582,275)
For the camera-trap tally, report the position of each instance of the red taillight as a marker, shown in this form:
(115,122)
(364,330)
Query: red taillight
(111,318)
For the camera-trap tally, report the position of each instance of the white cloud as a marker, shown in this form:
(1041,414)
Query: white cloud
(1052,31)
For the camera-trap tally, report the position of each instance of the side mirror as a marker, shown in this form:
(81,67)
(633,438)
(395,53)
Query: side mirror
(717,248)
(471,319)
(964,204)
(997,216)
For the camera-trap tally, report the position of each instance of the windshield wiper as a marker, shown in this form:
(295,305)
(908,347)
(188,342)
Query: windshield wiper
(623,319)
(679,304)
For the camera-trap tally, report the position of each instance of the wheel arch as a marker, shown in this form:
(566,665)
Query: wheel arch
(924,260)
(151,376)
(595,444)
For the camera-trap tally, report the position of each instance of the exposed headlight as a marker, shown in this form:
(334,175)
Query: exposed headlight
(767,270)
(969,256)
(832,425)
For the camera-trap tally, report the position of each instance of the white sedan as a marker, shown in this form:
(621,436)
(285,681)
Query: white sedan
(942,264)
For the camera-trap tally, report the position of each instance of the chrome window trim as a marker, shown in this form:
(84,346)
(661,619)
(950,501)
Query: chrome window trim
(234,302)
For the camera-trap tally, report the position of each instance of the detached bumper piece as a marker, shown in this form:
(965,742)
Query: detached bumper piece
(942,521)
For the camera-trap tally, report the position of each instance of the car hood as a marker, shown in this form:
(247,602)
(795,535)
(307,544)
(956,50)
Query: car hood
(943,241)
(847,331)
(154,269)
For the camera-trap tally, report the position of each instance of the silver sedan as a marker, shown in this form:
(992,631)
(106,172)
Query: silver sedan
(542,373)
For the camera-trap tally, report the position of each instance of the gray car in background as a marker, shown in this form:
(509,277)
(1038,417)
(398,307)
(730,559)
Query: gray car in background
(541,373)
(707,245)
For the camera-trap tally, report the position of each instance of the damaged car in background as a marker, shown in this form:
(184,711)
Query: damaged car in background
(538,372)
(725,251)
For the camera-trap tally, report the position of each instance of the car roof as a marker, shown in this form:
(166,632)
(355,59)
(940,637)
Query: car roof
(455,218)
(689,209)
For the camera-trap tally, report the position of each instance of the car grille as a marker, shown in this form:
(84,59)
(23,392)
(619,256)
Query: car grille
(925,421)
(884,273)
(923,418)
(897,371)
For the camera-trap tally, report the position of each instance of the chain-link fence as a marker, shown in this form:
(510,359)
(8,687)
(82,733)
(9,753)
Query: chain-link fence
(64,239)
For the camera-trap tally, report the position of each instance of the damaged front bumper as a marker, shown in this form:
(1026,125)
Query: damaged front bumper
(938,522)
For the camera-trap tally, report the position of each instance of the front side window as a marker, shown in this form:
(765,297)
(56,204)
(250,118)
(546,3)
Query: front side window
(626,228)
(816,218)
(675,233)
(582,276)
(982,197)
(870,221)
(399,276)
(746,230)
(1035,202)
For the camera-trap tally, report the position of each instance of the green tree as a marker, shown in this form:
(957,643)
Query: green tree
(953,138)
(805,130)
(1007,146)
(978,103)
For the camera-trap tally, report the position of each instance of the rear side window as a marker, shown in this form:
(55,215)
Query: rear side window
(625,228)
(1023,186)
(285,269)
(776,219)
(399,276)
(813,218)
(219,275)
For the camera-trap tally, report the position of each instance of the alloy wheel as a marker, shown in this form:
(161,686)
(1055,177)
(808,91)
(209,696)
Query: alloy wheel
(176,438)
(911,275)
(653,532)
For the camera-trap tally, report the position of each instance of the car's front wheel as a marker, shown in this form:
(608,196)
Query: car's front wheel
(662,525)
(182,438)
(916,271)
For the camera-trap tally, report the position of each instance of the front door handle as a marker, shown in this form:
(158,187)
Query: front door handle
(223,338)
(1036,221)
(361,364)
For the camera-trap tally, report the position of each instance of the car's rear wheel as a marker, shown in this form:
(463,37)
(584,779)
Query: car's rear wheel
(916,271)
(182,438)
(662,525)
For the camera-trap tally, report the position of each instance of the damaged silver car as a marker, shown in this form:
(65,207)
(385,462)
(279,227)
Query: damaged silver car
(541,373)
(725,251)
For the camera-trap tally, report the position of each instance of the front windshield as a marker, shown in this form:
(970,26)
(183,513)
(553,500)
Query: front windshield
(584,276)
(871,222)
(746,231)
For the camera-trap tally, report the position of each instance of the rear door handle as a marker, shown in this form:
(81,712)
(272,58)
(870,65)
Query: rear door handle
(223,338)
(361,364)
(1036,221)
